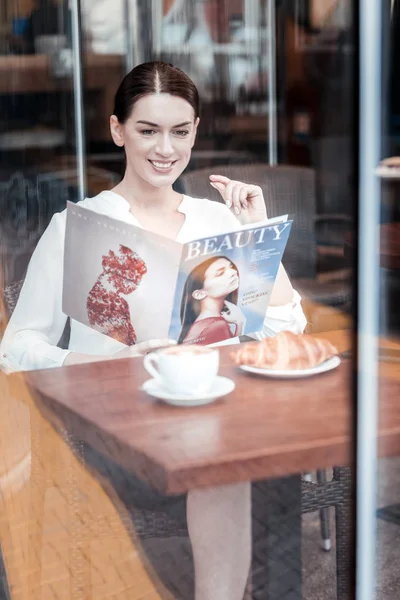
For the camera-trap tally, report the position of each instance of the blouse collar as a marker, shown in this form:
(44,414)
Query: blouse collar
(121,203)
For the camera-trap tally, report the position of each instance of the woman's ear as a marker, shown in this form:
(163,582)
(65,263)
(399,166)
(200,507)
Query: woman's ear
(199,294)
(117,131)
(194,133)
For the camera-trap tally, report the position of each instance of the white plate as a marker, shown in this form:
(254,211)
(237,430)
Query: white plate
(328,365)
(221,387)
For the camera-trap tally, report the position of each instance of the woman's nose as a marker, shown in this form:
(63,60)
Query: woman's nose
(164,146)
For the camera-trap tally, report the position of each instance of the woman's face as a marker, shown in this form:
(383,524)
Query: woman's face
(158,138)
(221,278)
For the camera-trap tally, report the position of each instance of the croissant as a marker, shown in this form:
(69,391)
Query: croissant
(285,351)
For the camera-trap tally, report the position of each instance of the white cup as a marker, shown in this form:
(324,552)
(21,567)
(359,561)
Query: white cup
(184,369)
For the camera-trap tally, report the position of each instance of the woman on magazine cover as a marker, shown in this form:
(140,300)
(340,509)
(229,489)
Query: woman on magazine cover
(155,120)
(209,311)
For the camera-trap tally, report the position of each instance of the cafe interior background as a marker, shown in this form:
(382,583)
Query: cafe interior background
(279,89)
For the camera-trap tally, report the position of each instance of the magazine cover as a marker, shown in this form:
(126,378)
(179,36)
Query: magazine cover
(225,282)
(134,285)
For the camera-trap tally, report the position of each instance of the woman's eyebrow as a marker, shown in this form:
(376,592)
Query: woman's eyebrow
(155,124)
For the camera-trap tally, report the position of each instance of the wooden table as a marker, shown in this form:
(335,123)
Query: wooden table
(264,429)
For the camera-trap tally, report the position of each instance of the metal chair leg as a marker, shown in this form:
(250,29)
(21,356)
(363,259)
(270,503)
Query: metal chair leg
(324,516)
(344,542)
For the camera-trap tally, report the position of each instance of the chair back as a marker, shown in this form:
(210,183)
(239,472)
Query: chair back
(332,158)
(10,298)
(287,190)
(27,203)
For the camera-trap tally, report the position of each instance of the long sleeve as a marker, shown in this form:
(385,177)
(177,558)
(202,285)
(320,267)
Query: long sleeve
(289,317)
(36,325)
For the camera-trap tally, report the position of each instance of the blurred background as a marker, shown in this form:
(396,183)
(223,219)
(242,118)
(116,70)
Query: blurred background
(279,88)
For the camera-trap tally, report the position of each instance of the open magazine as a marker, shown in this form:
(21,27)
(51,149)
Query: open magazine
(134,285)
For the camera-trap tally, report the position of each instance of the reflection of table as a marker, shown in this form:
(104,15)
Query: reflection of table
(390,245)
(389,250)
(390,178)
(389,259)
(265,429)
(31,73)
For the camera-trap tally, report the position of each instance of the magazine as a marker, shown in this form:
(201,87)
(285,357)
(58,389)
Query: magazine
(134,285)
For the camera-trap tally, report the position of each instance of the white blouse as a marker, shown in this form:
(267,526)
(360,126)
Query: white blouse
(37,323)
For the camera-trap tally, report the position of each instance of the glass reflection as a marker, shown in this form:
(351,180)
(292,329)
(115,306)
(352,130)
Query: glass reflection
(128,536)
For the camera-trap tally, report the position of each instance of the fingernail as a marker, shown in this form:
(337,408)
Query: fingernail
(228,203)
(237,211)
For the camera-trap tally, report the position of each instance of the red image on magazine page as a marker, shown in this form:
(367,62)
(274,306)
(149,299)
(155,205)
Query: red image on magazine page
(209,311)
(107,310)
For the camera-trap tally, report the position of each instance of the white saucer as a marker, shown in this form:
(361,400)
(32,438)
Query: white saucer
(328,365)
(221,387)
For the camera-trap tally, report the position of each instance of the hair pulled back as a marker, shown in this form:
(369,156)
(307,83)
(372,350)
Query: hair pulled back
(155,77)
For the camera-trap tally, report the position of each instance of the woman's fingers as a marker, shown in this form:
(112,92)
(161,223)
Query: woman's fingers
(243,196)
(151,345)
(228,194)
(222,189)
(235,193)
(219,179)
(236,204)
(225,186)
(240,196)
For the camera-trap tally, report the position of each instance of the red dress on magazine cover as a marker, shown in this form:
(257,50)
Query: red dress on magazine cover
(208,331)
(107,310)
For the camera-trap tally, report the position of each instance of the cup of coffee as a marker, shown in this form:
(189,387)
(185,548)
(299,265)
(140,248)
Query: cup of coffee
(184,369)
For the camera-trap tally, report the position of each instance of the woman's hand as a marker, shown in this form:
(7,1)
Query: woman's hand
(246,201)
(234,315)
(144,348)
(74,358)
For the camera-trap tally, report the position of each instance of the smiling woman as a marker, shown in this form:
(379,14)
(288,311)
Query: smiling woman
(155,120)
(158,149)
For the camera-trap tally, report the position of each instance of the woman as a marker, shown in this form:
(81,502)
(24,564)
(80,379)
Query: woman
(156,116)
(209,299)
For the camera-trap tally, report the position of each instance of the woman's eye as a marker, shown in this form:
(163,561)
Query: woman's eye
(181,133)
(148,132)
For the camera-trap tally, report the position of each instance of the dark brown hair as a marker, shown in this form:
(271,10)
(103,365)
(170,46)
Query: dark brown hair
(153,78)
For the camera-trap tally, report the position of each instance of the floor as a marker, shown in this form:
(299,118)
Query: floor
(318,566)
(319,576)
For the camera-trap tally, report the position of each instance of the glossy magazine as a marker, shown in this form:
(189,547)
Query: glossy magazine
(134,285)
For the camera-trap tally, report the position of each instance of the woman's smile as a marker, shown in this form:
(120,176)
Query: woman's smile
(162,166)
